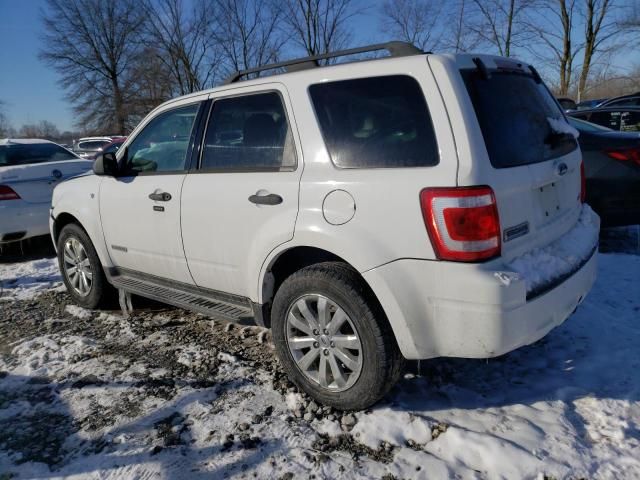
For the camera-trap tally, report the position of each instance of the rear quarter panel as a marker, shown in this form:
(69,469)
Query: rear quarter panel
(387,224)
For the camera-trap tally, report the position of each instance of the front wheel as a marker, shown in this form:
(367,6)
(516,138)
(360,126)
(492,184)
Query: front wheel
(81,269)
(332,337)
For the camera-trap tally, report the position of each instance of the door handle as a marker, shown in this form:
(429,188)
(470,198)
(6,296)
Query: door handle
(267,199)
(160,196)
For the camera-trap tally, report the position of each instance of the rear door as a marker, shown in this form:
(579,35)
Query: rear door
(33,170)
(242,200)
(532,159)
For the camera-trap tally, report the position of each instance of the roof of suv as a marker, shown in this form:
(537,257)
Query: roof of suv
(307,68)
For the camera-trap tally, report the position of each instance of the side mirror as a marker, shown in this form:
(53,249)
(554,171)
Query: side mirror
(106,164)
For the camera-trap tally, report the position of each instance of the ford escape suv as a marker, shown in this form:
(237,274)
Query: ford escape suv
(409,207)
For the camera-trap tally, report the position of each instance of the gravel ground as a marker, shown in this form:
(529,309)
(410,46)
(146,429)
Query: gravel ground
(167,393)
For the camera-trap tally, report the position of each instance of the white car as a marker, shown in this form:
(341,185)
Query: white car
(29,170)
(410,207)
(89,147)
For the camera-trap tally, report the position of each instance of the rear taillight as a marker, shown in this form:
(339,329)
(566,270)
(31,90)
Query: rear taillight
(583,183)
(631,155)
(462,222)
(7,193)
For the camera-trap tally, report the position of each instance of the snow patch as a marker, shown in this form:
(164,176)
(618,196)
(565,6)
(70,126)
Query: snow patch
(543,265)
(78,311)
(294,401)
(561,126)
(391,426)
(24,280)
(47,354)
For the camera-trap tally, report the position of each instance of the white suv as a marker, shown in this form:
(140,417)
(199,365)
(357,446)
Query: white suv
(409,207)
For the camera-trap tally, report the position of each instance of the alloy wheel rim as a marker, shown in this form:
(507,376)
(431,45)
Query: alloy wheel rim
(77,267)
(324,342)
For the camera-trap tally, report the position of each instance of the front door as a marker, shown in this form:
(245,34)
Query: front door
(140,208)
(243,200)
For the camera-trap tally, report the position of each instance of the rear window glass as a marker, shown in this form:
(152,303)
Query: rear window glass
(93,144)
(24,154)
(378,122)
(513,112)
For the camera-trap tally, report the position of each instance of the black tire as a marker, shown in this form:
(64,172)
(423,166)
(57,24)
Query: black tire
(101,293)
(382,362)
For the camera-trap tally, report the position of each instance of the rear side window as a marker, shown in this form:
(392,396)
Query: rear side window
(249,133)
(514,111)
(378,122)
(625,102)
(24,154)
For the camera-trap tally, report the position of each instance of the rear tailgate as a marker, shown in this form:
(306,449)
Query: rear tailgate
(512,136)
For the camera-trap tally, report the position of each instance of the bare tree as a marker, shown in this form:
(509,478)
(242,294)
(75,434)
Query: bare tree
(92,45)
(182,42)
(459,40)
(554,24)
(5,127)
(415,21)
(500,23)
(43,129)
(598,30)
(320,26)
(246,33)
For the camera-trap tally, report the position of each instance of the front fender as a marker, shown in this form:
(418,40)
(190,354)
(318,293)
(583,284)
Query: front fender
(80,198)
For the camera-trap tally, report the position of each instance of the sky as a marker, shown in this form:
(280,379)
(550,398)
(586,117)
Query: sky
(27,86)
(30,89)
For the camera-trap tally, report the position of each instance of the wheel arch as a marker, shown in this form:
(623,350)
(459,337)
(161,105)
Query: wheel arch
(61,221)
(292,259)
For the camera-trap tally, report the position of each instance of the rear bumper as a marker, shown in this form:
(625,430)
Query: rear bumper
(474,314)
(20,220)
(474,310)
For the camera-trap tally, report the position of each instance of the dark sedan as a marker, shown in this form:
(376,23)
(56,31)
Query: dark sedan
(612,171)
(624,119)
(112,147)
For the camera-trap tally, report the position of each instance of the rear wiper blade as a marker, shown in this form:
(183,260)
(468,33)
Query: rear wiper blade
(555,138)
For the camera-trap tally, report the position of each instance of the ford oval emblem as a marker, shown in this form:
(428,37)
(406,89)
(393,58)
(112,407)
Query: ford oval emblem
(562,168)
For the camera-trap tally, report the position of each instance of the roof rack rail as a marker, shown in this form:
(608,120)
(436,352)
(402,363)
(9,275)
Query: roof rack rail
(395,49)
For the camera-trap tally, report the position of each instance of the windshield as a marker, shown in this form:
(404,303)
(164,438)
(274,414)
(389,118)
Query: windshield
(28,153)
(516,115)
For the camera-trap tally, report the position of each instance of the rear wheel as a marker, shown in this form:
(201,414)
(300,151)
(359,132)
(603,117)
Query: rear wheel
(332,337)
(81,269)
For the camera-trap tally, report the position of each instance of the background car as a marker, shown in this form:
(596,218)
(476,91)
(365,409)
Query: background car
(567,103)
(29,170)
(589,104)
(626,119)
(112,147)
(88,147)
(612,171)
(632,100)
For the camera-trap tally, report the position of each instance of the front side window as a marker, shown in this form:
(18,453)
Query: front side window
(29,153)
(249,133)
(163,143)
(377,122)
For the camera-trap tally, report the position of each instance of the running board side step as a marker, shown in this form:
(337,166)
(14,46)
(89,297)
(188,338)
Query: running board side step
(207,302)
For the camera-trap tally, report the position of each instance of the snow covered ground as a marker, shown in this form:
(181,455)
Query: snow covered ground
(171,394)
